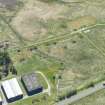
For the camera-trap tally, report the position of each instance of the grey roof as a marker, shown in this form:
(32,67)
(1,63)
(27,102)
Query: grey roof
(31,81)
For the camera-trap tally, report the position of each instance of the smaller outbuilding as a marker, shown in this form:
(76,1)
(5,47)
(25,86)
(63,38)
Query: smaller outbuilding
(31,83)
(12,90)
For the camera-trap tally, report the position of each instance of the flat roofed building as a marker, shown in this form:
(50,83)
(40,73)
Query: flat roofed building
(12,90)
(31,83)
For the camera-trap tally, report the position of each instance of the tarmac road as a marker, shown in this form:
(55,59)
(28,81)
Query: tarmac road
(82,94)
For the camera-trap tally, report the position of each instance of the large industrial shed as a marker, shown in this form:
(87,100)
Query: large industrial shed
(31,83)
(12,90)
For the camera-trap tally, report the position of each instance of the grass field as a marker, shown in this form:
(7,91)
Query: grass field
(77,58)
(99,99)
(84,59)
(36,100)
(37,63)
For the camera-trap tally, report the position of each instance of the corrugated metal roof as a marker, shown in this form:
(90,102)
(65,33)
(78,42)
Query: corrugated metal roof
(12,88)
(31,81)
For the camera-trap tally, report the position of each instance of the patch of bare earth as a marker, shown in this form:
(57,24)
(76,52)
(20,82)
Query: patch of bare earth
(82,21)
(26,21)
(21,56)
(69,74)
(58,52)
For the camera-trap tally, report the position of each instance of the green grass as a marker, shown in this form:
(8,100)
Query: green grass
(36,100)
(97,36)
(36,63)
(81,58)
(6,34)
(84,62)
(97,98)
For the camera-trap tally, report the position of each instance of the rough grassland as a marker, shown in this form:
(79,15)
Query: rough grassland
(77,58)
(36,100)
(83,62)
(95,99)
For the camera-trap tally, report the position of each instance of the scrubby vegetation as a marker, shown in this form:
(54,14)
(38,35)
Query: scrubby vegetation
(39,36)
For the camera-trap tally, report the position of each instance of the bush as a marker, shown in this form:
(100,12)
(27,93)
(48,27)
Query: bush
(48,0)
(67,94)
(85,86)
(71,93)
(61,97)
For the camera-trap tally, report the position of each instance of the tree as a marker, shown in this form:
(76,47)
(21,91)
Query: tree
(14,71)
(0,76)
